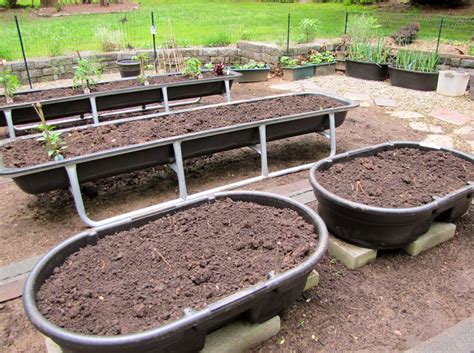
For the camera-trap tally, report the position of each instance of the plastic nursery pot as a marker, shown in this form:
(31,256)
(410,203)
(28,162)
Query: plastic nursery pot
(366,71)
(252,75)
(421,81)
(379,227)
(128,67)
(324,69)
(256,303)
(298,72)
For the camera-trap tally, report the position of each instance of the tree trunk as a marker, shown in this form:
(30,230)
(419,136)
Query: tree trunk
(48,3)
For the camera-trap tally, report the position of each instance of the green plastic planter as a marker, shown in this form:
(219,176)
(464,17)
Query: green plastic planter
(298,72)
(252,75)
(324,69)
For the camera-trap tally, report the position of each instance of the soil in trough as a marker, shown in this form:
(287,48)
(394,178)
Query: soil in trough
(60,92)
(405,177)
(79,142)
(140,278)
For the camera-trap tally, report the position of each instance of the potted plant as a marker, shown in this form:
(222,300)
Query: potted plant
(252,72)
(368,61)
(323,63)
(295,69)
(128,67)
(415,70)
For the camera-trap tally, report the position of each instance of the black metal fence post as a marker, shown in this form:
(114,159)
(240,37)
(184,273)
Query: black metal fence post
(153,32)
(441,23)
(288,36)
(23,51)
(345,23)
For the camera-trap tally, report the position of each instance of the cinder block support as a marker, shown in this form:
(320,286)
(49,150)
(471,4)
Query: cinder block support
(240,336)
(352,256)
(437,234)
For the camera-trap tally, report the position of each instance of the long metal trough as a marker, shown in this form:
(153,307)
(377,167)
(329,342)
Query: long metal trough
(172,151)
(95,102)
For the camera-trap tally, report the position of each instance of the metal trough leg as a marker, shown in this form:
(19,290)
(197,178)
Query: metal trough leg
(332,134)
(263,150)
(9,119)
(164,91)
(95,115)
(75,188)
(178,167)
(227,90)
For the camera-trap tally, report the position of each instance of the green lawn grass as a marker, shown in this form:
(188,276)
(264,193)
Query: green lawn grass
(194,23)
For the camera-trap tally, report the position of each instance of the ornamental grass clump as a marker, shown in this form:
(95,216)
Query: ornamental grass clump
(10,84)
(368,52)
(416,61)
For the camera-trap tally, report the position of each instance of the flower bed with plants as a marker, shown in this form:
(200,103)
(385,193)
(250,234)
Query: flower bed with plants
(193,276)
(387,195)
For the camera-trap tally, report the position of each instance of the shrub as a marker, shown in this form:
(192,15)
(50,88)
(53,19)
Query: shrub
(407,34)
(362,27)
(307,30)
(220,39)
(109,39)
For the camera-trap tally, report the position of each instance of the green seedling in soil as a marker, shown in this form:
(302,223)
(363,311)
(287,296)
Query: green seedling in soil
(417,61)
(192,68)
(9,83)
(143,58)
(85,75)
(51,139)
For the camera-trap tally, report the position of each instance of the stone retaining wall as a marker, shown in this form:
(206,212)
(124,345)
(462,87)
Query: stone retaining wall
(62,67)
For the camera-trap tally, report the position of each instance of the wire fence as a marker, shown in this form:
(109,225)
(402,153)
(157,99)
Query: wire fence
(56,36)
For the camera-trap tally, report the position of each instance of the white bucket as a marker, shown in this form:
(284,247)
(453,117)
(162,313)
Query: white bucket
(452,83)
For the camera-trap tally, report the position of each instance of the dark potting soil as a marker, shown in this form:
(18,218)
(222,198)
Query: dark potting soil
(60,92)
(140,278)
(405,177)
(94,139)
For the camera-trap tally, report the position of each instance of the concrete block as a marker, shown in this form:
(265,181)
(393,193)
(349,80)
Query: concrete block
(438,233)
(257,56)
(18,66)
(240,336)
(18,268)
(236,337)
(467,63)
(312,281)
(352,256)
(41,64)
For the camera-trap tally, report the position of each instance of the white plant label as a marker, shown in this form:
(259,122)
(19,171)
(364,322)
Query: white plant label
(153,30)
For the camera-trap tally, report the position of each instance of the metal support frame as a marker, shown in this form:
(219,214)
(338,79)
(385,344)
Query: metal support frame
(95,115)
(10,126)
(178,167)
(164,92)
(227,91)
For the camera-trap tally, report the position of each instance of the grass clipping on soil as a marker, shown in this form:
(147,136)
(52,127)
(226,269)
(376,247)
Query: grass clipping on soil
(140,278)
(404,177)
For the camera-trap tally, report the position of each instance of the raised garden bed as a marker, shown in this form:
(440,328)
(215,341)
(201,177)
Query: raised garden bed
(421,81)
(366,70)
(137,143)
(298,72)
(324,69)
(124,93)
(256,74)
(180,290)
(387,195)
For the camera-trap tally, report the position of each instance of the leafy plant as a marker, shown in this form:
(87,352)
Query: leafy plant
(307,30)
(220,39)
(9,83)
(109,39)
(376,53)
(219,69)
(85,75)
(321,57)
(407,34)
(416,61)
(362,27)
(287,62)
(51,139)
(143,59)
(192,68)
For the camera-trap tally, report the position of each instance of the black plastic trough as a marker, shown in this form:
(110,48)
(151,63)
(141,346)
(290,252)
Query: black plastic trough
(61,107)
(385,228)
(52,175)
(366,70)
(421,81)
(255,304)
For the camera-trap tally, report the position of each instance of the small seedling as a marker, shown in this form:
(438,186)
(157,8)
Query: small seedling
(51,139)
(9,84)
(85,75)
(192,68)
(143,58)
